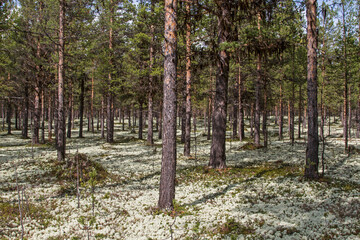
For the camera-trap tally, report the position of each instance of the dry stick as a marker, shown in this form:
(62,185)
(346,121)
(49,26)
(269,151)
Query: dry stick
(19,203)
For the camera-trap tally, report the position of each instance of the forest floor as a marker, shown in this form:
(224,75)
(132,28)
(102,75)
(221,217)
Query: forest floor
(261,195)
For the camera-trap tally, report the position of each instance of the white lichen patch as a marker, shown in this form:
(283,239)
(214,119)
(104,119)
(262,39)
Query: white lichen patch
(262,194)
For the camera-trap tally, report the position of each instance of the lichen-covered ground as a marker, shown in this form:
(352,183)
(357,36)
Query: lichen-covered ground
(261,195)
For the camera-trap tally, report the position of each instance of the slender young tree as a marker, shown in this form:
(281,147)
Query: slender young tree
(150,134)
(110,94)
(312,149)
(168,164)
(188,83)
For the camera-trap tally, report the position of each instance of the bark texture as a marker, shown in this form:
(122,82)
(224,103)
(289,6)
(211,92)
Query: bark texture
(168,164)
(188,84)
(217,152)
(312,149)
(61,106)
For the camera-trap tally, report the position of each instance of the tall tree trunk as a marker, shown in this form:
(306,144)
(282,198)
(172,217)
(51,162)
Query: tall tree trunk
(8,115)
(217,152)
(182,117)
(211,105)
(252,120)
(357,116)
(168,164)
(140,120)
(292,114)
(150,134)
(61,106)
(188,82)
(110,98)
(50,115)
(42,116)
(300,111)
(102,115)
(241,104)
(109,119)
(312,149)
(323,74)
(258,90)
(70,109)
(81,107)
(349,111)
(235,110)
(25,111)
(16,117)
(3,115)
(160,120)
(92,104)
(358,102)
(36,115)
(257,102)
(281,114)
(345,108)
(265,133)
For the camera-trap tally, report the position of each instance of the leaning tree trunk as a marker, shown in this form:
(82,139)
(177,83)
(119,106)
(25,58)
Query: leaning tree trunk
(188,83)
(312,149)
(217,152)
(168,163)
(61,140)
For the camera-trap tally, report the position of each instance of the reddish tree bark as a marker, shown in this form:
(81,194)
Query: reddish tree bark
(188,83)
(61,140)
(168,164)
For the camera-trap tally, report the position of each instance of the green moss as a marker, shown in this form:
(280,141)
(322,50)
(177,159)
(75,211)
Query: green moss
(251,146)
(46,145)
(232,229)
(213,177)
(65,173)
(10,213)
(100,236)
